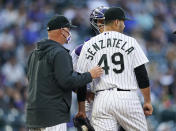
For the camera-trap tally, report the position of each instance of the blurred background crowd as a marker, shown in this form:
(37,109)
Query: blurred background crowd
(23,22)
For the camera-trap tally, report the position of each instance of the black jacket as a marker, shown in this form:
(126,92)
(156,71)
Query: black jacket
(51,81)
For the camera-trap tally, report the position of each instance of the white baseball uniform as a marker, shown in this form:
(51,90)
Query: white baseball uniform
(118,55)
(59,127)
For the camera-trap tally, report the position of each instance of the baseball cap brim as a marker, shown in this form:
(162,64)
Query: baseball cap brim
(124,18)
(70,25)
(73,26)
(127,19)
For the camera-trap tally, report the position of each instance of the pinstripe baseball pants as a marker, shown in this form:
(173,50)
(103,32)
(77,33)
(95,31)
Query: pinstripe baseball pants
(60,127)
(112,107)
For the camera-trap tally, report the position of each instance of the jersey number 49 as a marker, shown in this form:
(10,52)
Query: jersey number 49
(119,62)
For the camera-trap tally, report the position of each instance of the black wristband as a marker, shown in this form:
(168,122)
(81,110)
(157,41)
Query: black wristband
(81,93)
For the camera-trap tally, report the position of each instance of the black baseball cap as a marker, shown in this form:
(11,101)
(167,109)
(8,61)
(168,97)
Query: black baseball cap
(114,13)
(58,22)
(174,32)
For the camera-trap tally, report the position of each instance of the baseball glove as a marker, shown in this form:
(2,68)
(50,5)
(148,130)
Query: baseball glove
(82,124)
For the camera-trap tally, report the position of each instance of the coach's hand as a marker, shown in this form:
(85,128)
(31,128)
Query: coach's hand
(148,109)
(96,72)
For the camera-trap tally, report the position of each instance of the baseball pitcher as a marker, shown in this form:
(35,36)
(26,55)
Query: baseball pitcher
(116,101)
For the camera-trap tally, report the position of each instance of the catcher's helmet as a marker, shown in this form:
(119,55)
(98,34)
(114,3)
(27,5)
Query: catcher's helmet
(97,14)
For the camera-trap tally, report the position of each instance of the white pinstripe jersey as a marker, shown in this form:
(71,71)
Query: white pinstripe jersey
(117,54)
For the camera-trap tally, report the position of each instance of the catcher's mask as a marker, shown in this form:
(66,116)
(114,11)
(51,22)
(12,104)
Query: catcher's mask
(97,15)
